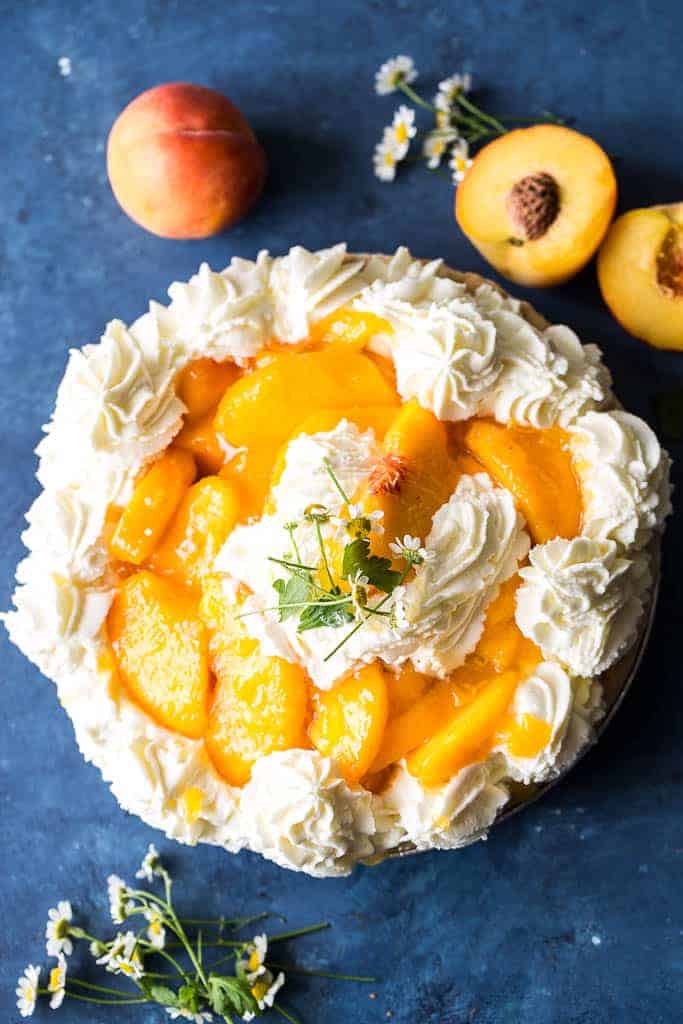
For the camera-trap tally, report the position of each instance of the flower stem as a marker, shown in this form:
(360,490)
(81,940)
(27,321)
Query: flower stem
(412,95)
(328,466)
(129,1001)
(284,1013)
(309,930)
(291,969)
(323,554)
(468,105)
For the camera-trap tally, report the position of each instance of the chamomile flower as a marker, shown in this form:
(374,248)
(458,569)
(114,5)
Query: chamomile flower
(199,1017)
(450,89)
(359,594)
(27,990)
(409,548)
(119,904)
(123,956)
(393,72)
(255,964)
(436,145)
(384,159)
(360,522)
(57,983)
(156,933)
(57,929)
(401,130)
(264,991)
(460,161)
(151,865)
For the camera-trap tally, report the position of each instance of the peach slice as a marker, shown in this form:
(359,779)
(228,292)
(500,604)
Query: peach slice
(465,738)
(260,705)
(205,517)
(200,439)
(537,202)
(536,467)
(640,270)
(161,648)
(349,721)
(405,687)
(150,510)
(261,410)
(201,385)
(413,479)
(350,326)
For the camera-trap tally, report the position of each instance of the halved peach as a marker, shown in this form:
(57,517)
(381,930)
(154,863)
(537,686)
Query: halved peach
(201,385)
(205,517)
(536,467)
(349,721)
(260,705)
(161,649)
(468,734)
(537,202)
(414,477)
(262,409)
(640,270)
(150,510)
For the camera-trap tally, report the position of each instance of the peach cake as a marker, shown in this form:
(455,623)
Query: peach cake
(333,550)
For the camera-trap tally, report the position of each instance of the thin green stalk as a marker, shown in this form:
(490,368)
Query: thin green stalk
(292,565)
(290,530)
(376,608)
(468,105)
(328,466)
(99,988)
(309,930)
(412,95)
(284,1013)
(106,1002)
(292,969)
(323,554)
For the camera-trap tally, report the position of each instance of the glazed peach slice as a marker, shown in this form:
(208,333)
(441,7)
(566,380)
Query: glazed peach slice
(200,439)
(205,517)
(262,409)
(413,478)
(161,649)
(537,202)
(201,386)
(640,270)
(502,645)
(152,506)
(405,687)
(260,705)
(352,327)
(467,736)
(536,467)
(349,721)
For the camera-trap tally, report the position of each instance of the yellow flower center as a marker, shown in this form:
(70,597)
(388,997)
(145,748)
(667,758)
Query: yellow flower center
(55,981)
(401,133)
(389,159)
(254,961)
(259,990)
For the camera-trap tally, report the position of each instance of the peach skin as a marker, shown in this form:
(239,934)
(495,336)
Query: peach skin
(183,161)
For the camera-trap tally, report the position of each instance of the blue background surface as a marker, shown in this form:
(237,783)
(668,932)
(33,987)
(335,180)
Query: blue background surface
(573,911)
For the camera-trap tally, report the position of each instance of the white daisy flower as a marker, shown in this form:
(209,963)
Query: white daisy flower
(57,929)
(460,161)
(255,964)
(57,983)
(384,158)
(450,89)
(151,865)
(123,957)
(178,1014)
(401,130)
(393,72)
(156,933)
(27,990)
(360,521)
(436,145)
(264,992)
(409,548)
(119,905)
(359,595)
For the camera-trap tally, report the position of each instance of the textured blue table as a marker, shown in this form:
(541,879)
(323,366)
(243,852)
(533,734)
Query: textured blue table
(572,911)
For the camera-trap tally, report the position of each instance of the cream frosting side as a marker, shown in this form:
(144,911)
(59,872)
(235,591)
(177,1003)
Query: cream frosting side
(117,409)
(582,602)
(624,476)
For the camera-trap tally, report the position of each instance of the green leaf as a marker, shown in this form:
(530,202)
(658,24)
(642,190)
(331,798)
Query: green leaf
(295,591)
(377,570)
(323,614)
(162,994)
(189,998)
(227,993)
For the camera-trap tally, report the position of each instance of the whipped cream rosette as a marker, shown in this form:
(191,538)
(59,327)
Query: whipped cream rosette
(331,550)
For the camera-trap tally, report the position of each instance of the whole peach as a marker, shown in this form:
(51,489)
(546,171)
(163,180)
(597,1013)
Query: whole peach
(183,161)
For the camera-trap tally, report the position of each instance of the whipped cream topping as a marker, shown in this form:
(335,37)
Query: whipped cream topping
(624,476)
(117,409)
(581,602)
(476,542)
